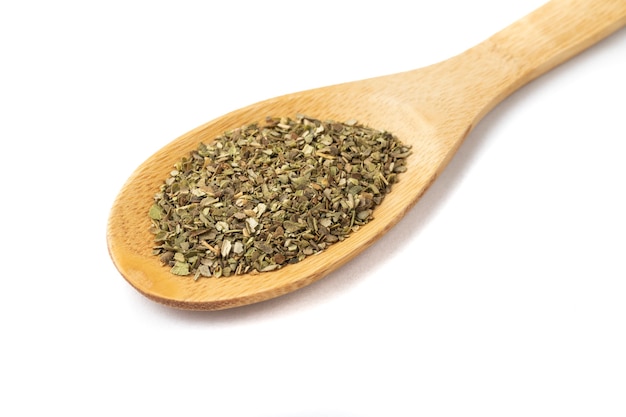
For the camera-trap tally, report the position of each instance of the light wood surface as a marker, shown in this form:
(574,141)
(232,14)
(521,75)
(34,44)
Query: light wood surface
(433,109)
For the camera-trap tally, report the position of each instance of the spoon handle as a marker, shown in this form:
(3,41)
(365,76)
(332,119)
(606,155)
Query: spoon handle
(478,79)
(548,37)
(554,33)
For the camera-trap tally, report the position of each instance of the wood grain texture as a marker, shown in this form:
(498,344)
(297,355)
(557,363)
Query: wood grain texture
(433,109)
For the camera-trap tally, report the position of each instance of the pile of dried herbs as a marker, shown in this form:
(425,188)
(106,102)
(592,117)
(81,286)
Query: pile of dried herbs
(267,195)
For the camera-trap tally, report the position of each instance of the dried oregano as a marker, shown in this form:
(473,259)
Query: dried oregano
(267,195)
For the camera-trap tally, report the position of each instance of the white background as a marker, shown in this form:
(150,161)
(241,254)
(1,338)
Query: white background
(502,293)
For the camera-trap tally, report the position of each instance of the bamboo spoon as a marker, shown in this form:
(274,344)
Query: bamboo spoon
(433,109)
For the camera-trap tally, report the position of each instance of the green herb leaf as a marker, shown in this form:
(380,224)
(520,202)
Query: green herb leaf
(155,212)
(180,268)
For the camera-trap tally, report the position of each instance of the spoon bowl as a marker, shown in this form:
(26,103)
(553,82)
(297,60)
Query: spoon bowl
(431,109)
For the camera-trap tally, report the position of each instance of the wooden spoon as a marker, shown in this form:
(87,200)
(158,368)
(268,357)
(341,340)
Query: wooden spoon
(433,109)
